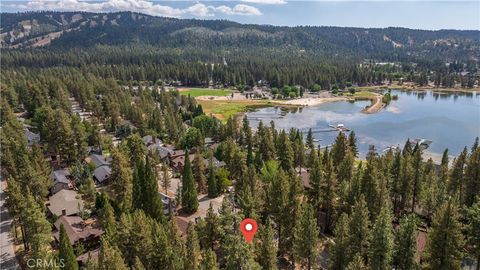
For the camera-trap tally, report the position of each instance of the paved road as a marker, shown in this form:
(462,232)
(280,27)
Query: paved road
(7,254)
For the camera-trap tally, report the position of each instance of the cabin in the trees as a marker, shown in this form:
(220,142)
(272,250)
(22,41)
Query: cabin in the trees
(215,162)
(65,203)
(178,162)
(149,140)
(79,231)
(102,171)
(102,174)
(61,180)
(32,137)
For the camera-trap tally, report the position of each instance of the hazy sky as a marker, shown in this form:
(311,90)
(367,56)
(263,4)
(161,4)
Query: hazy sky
(440,14)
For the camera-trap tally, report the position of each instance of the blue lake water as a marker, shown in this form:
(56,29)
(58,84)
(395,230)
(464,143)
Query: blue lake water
(450,120)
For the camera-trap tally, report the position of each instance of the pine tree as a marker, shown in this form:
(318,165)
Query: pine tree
(138,185)
(189,191)
(381,244)
(138,265)
(107,219)
(165,178)
(199,173)
(121,179)
(193,248)
(266,248)
(153,203)
(352,143)
(417,164)
(473,230)
(339,251)
(110,257)
(406,244)
(357,263)
(339,149)
(445,239)
(328,196)
(209,260)
(212,181)
(457,176)
(285,152)
(359,230)
(306,237)
(472,176)
(309,140)
(65,251)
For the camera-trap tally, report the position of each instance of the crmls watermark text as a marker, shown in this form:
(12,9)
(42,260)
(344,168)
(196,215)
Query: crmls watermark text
(42,263)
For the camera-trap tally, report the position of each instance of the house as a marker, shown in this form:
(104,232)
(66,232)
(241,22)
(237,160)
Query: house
(169,205)
(150,140)
(163,151)
(32,137)
(78,230)
(102,174)
(102,167)
(98,160)
(65,203)
(60,180)
(178,162)
(208,141)
(304,175)
(215,162)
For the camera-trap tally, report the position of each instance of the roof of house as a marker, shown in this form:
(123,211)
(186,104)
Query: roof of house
(148,139)
(305,177)
(31,136)
(208,140)
(76,229)
(179,161)
(67,200)
(102,173)
(163,151)
(60,176)
(99,160)
(215,161)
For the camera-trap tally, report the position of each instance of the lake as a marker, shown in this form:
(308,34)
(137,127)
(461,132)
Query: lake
(450,120)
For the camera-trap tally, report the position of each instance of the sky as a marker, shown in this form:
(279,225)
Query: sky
(430,15)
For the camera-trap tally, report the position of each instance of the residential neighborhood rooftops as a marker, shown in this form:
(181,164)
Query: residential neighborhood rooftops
(102,173)
(77,229)
(65,202)
(60,176)
(98,160)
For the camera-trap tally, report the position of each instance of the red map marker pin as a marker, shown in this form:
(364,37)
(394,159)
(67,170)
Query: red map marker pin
(248,227)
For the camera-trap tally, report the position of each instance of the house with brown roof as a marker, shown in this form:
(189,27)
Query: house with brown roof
(178,162)
(65,203)
(86,232)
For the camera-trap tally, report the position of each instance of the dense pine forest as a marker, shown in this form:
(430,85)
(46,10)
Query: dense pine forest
(393,210)
(131,46)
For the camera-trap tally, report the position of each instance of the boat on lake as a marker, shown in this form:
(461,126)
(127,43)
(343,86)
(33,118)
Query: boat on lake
(340,127)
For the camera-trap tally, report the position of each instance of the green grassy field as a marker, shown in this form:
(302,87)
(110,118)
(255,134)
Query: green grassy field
(197,92)
(223,109)
(364,95)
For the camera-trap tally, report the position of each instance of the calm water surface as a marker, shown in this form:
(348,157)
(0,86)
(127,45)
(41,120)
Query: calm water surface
(450,120)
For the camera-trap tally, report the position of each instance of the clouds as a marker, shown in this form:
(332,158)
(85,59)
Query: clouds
(141,6)
(267,2)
